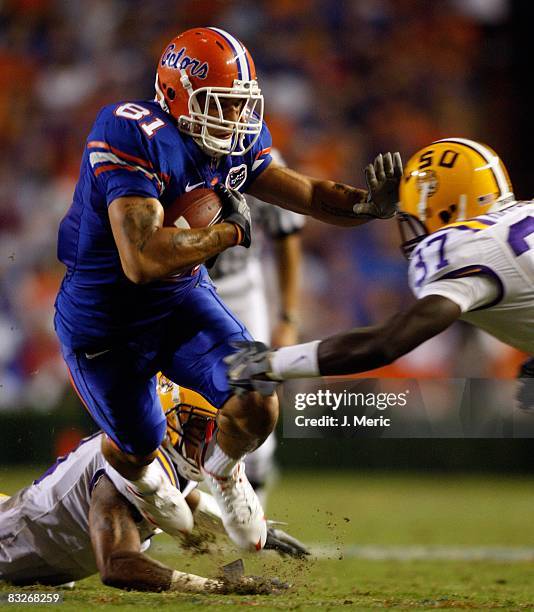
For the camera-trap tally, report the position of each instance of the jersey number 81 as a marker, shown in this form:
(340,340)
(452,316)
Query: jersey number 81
(136,112)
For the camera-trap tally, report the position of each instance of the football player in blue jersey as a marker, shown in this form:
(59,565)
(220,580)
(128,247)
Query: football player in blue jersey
(134,300)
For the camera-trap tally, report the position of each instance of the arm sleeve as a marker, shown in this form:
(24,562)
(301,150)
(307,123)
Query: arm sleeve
(122,161)
(470,292)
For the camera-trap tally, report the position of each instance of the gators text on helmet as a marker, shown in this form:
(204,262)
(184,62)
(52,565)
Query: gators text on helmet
(199,74)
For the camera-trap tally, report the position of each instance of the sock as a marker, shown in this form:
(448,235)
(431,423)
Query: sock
(219,463)
(151,480)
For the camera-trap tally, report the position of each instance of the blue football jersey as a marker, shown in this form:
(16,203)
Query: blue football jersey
(134,148)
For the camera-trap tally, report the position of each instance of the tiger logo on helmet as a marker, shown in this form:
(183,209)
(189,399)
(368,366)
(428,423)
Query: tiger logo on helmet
(190,425)
(447,182)
(199,72)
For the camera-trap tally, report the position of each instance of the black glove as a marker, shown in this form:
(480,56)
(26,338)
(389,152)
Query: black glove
(248,368)
(383,179)
(235,210)
(284,544)
(525,386)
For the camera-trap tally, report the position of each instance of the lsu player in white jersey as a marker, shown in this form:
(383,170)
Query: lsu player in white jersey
(471,251)
(239,276)
(82,517)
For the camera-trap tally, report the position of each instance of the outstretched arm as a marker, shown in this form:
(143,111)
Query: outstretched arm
(358,350)
(117,545)
(117,548)
(367,348)
(331,202)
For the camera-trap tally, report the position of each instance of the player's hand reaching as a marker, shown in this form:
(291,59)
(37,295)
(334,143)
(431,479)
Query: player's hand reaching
(383,179)
(236,211)
(248,368)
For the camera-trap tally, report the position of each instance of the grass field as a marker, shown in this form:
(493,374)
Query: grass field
(380,541)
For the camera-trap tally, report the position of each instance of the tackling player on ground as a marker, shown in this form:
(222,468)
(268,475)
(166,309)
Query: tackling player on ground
(82,517)
(469,243)
(133,302)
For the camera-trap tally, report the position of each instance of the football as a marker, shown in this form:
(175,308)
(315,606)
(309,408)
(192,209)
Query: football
(194,209)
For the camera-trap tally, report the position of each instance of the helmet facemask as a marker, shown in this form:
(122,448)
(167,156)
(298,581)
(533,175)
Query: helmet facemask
(189,428)
(203,126)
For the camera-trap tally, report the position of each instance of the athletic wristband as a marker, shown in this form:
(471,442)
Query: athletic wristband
(299,361)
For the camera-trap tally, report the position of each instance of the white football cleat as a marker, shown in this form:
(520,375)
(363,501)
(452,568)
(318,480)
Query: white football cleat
(165,508)
(241,511)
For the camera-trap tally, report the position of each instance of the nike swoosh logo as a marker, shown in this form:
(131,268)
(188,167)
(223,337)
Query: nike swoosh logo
(93,355)
(189,187)
(257,164)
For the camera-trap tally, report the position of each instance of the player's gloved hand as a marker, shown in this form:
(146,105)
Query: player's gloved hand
(525,386)
(383,179)
(283,543)
(249,368)
(236,211)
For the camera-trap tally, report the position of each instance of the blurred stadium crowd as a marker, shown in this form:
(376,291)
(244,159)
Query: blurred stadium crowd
(343,80)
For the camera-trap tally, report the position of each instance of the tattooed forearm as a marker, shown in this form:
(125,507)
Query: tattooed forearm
(140,221)
(334,203)
(358,195)
(149,251)
(199,244)
(337,212)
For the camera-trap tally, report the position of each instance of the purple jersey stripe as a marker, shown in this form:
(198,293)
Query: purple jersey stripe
(478,270)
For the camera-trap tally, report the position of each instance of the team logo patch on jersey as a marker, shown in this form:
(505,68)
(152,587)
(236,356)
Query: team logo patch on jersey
(180,61)
(428,177)
(236,177)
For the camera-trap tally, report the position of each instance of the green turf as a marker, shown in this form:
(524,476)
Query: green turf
(340,510)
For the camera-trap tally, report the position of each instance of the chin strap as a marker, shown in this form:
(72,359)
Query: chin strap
(186,83)
(160,98)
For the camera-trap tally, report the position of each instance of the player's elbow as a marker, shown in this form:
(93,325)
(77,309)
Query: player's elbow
(138,267)
(138,277)
(138,272)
